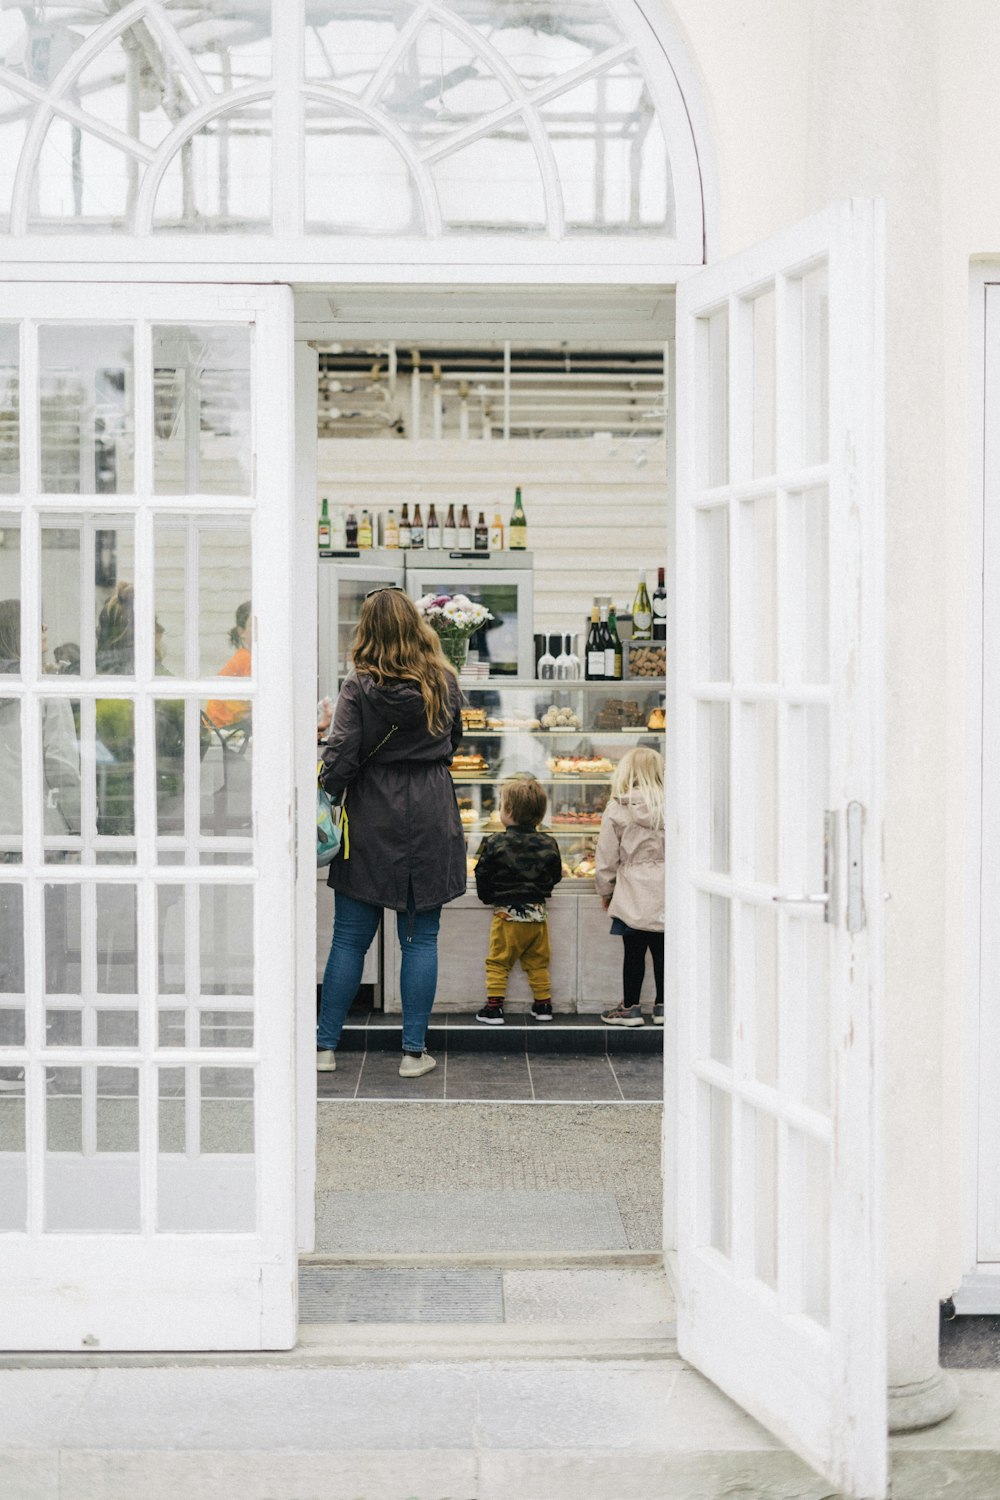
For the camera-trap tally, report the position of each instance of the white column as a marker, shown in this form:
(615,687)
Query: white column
(874,130)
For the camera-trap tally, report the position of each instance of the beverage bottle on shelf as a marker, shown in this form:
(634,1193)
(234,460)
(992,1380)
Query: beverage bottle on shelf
(338,531)
(642,613)
(613,652)
(595,649)
(405,529)
(417,533)
(606,643)
(660,607)
(517,536)
(482,538)
(450,538)
(365,531)
(567,665)
(496,533)
(464,531)
(433,528)
(324,526)
(351,529)
(547,660)
(391,538)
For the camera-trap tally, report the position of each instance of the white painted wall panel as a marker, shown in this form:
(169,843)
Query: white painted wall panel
(595,517)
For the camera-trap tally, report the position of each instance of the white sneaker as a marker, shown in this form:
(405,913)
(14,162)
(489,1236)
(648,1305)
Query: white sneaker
(326,1060)
(416,1067)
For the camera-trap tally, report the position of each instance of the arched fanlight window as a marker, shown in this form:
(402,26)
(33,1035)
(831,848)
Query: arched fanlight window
(419,118)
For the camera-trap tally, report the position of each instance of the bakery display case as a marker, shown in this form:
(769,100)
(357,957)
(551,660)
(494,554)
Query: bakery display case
(570,736)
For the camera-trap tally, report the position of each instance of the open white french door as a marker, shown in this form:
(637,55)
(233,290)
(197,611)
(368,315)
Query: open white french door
(146,827)
(776,747)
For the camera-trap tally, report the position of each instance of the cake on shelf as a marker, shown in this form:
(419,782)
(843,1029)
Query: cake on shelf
(472,764)
(579,765)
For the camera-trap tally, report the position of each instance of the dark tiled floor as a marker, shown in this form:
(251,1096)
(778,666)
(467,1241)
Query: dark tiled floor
(511,1074)
(570,1058)
(970,1342)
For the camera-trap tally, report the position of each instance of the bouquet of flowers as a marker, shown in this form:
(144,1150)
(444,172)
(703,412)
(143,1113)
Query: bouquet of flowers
(455,618)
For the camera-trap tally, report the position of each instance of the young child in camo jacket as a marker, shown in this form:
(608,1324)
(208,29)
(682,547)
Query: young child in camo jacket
(516,872)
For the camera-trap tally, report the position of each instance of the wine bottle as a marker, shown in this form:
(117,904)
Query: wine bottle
(517,536)
(642,613)
(405,529)
(615,647)
(482,538)
(607,645)
(324,527)
(450,529)
(595,649)
(365,531)
(660,608)
(351,530)
(338,531)
(575,666)
(464,531)
(433,528)
(391,538)
(417,532)
(547,660)
(496,533)
(564,661)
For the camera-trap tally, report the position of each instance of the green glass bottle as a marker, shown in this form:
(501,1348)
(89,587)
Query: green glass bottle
(517,531)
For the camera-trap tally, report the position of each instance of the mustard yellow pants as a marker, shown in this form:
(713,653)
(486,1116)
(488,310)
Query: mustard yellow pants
(510,941)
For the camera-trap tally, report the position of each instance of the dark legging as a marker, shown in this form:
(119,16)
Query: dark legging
(634,965)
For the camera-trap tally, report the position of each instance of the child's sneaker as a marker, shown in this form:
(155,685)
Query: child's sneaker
(623,1015)
(657,1015)
(490,1015)
(542,1010)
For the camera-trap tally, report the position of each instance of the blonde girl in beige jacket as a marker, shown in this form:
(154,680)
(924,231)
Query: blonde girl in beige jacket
(630,877)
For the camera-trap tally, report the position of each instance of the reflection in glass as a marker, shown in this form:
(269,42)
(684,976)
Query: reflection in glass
(117,940)
(716,1108)
(219,181)
(713,396)
(816,1269)
(64,1028)
(761,936)
(11,792)
(205,1165)
(344,155)
(10,590)
(11,952)
(227,946)
(227,774)
(712,563)
(493,183)
(13,1158)
(92,1150)
(758,642)
(85,397)
(225,615)
(611,155)
(764,356)
(14,112)
(713,760)
(815,356)
(10,400)
(202,410)
(115,766)
(61,788)
(226,1028)
(765,1200)
(62,940)
(715,975)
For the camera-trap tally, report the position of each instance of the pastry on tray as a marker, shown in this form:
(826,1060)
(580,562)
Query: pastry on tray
(473,718)
(579,765)
(468,764)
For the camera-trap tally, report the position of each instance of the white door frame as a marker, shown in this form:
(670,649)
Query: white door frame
(155,1289)
(979,1291)
(814,1374)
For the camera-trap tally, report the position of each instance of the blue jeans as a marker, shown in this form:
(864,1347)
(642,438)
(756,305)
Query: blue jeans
(355,924)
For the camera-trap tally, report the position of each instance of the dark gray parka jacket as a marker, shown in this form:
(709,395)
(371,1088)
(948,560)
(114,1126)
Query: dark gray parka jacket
(402,814)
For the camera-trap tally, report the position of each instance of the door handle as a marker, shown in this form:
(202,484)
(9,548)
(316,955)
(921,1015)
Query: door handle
(828,898)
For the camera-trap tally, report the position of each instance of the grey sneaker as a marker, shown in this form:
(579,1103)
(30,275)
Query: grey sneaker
(623,1015)
(416,1067)
(326,1060)
(657,1015)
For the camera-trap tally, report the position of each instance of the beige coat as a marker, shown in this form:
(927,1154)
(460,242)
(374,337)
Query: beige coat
(630,859)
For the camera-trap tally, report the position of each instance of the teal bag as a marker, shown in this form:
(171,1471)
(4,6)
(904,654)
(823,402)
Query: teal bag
(331,828)
(331,817)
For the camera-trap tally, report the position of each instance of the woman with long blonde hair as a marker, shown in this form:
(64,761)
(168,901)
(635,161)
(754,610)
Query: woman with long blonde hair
(630,877)
(395,728)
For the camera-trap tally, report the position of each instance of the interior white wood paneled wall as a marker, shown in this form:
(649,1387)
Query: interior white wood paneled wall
(595,517)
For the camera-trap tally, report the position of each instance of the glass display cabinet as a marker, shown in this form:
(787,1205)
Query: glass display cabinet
(571,735)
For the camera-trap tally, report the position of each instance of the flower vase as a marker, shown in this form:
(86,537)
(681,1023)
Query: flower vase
(456,649)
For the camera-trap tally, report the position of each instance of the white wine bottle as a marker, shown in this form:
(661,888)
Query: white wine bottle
(642,613)
(595,649)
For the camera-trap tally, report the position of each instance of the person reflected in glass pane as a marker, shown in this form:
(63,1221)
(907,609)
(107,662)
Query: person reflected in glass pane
(116,634)
(60,748)
(227,713)
(67,659)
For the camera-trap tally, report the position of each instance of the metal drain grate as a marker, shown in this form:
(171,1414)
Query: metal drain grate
(329,1296)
